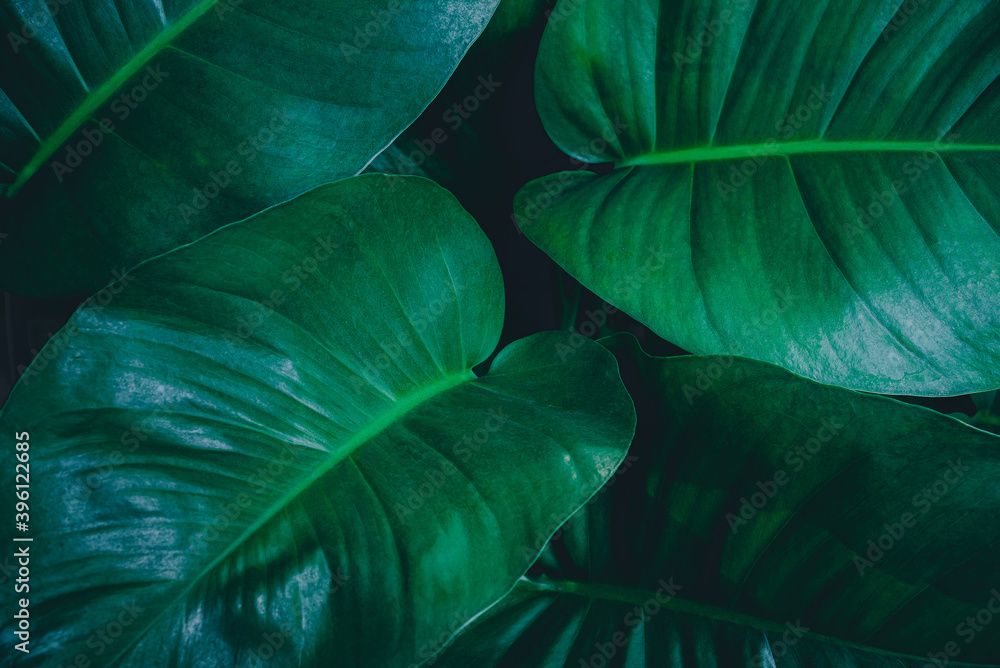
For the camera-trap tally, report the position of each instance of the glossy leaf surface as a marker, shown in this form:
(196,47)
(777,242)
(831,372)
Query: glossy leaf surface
(129,129)
(812,184)
(270,443)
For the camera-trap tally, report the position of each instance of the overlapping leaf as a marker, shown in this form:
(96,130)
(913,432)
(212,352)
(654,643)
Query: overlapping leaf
(129,129)
(812,184)
(270,444)
(761,519)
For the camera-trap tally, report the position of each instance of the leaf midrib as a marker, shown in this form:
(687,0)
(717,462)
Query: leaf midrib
(680,605)
(716,153)
(370,430)
(96,99)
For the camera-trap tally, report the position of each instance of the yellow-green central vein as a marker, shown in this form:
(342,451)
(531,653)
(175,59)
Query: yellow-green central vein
(714,153)
(97,98)
(369,431)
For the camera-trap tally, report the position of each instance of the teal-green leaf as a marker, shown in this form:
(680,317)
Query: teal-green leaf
(271,441)
(811,184)
(753,499)
(127,130)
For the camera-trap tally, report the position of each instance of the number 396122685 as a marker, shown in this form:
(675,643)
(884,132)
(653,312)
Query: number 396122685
(21,478)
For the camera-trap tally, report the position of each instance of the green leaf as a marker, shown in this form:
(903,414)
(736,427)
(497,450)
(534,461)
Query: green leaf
(812,184)
(759,499)
(271,441)
(124,134)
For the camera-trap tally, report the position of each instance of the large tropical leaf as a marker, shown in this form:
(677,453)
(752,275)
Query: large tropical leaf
(126,130)
(809,183)
(270,443)
(761,519)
